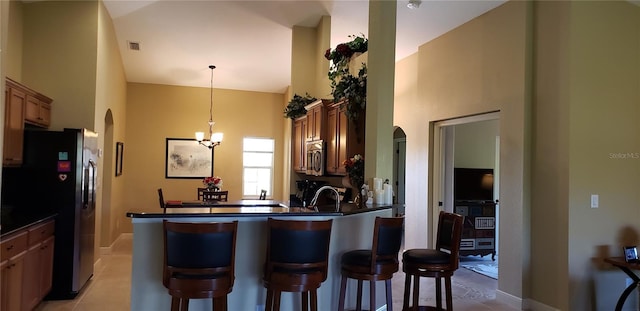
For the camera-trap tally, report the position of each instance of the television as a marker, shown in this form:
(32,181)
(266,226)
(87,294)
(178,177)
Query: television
(473,184)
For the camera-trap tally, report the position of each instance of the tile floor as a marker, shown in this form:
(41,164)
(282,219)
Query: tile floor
(109,289)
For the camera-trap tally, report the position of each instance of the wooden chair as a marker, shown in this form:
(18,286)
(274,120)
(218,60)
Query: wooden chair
(263,194)
(296,260)
(375,264)
(199,262)
(437,263)
(207,195)
(161,199)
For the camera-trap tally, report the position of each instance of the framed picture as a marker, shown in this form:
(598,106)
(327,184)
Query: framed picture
(630,254)
(185,158)
(119,154)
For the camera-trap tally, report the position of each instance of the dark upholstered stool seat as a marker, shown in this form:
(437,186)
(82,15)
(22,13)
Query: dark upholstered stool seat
(437,263)
(297,260)
(426,256)
(376,264)
(199,262)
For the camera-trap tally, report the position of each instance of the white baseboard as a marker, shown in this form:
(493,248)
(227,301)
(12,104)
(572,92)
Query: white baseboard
(510,300)
(106,250)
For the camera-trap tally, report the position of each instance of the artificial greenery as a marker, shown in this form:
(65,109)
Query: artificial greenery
(345,87)
(295,108)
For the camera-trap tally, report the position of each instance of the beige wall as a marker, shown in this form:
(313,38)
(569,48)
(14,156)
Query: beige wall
(604,105)
(59,58)
(478,67)
(13,67)
(567,92)
(155,112)
(475,144)
(111,88)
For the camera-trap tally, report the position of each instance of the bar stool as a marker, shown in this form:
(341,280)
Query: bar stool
(437,263)
(199,261)
(297,260)
(375,264)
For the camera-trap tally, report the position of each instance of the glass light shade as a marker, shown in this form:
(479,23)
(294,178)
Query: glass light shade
(199,136)
(216,137)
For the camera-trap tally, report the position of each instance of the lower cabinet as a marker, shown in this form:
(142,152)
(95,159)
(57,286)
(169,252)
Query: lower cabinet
(13,250)
(479,228)
(28,268)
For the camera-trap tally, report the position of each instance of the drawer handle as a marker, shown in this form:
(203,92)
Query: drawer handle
(10,247)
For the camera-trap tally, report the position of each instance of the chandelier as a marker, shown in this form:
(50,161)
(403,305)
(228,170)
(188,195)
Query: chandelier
(214,139)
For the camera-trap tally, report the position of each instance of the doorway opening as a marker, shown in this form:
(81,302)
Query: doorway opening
(399,166)
(466,181)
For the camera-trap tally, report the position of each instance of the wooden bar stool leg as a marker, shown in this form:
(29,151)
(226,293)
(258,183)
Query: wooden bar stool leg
(269,303)
(276,300)
(387,285)
(407,292)
(447,284)
(314,300)
(343,289)
(359,302)
(372,295)
(305,301)
(185,304)
(175,304)
(438,293)
(416,292)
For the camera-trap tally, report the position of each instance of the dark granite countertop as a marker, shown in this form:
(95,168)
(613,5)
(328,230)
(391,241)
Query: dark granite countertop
(250,208)
(13,218)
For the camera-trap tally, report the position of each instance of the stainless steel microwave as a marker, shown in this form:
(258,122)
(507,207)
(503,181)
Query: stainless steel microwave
(315,157)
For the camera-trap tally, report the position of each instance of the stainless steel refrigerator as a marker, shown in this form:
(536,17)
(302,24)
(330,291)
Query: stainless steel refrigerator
(59,174)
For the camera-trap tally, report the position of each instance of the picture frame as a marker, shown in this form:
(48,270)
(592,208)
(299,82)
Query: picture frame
(630,253)
(186,158)
(119,156)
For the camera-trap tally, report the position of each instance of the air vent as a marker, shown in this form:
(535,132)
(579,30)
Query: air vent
(134,46)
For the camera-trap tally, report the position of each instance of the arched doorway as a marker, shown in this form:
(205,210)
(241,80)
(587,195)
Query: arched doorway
(107,178)
(399,166)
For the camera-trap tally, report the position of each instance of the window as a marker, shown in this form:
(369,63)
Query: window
(257,166)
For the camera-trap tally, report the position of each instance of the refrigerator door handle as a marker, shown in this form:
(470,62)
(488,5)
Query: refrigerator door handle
(89,195)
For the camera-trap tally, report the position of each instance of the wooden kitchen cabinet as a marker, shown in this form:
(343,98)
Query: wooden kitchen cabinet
(299,150)
(38,111)
(26,267)
(316,112)
(38,262)
(15,101)
(344,139)
(13,250)
(22,105)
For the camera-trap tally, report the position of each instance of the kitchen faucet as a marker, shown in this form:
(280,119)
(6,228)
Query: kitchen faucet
(315,197)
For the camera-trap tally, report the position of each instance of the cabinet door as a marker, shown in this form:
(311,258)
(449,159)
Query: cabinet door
(46,265)
(11,284)
(299,145)
(32,109)
(13,126)
(31,278)
(332,140)
(45,114)
(342,150)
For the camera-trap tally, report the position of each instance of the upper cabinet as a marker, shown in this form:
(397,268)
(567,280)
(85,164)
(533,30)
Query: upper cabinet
(344,139)
(38,110)
(299,157)
(22,105)
(316,118)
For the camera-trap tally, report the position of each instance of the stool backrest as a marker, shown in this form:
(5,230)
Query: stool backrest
(387,239)
(294,244)
(449,234)
(199,248)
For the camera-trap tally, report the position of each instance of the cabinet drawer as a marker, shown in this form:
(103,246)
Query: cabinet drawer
(13,246)
(40,232)
(485,243)
(467,244)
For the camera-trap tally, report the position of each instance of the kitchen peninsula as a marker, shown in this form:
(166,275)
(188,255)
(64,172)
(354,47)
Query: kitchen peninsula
(352,229)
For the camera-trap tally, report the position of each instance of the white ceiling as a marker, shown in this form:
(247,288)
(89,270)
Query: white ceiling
(250,41)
